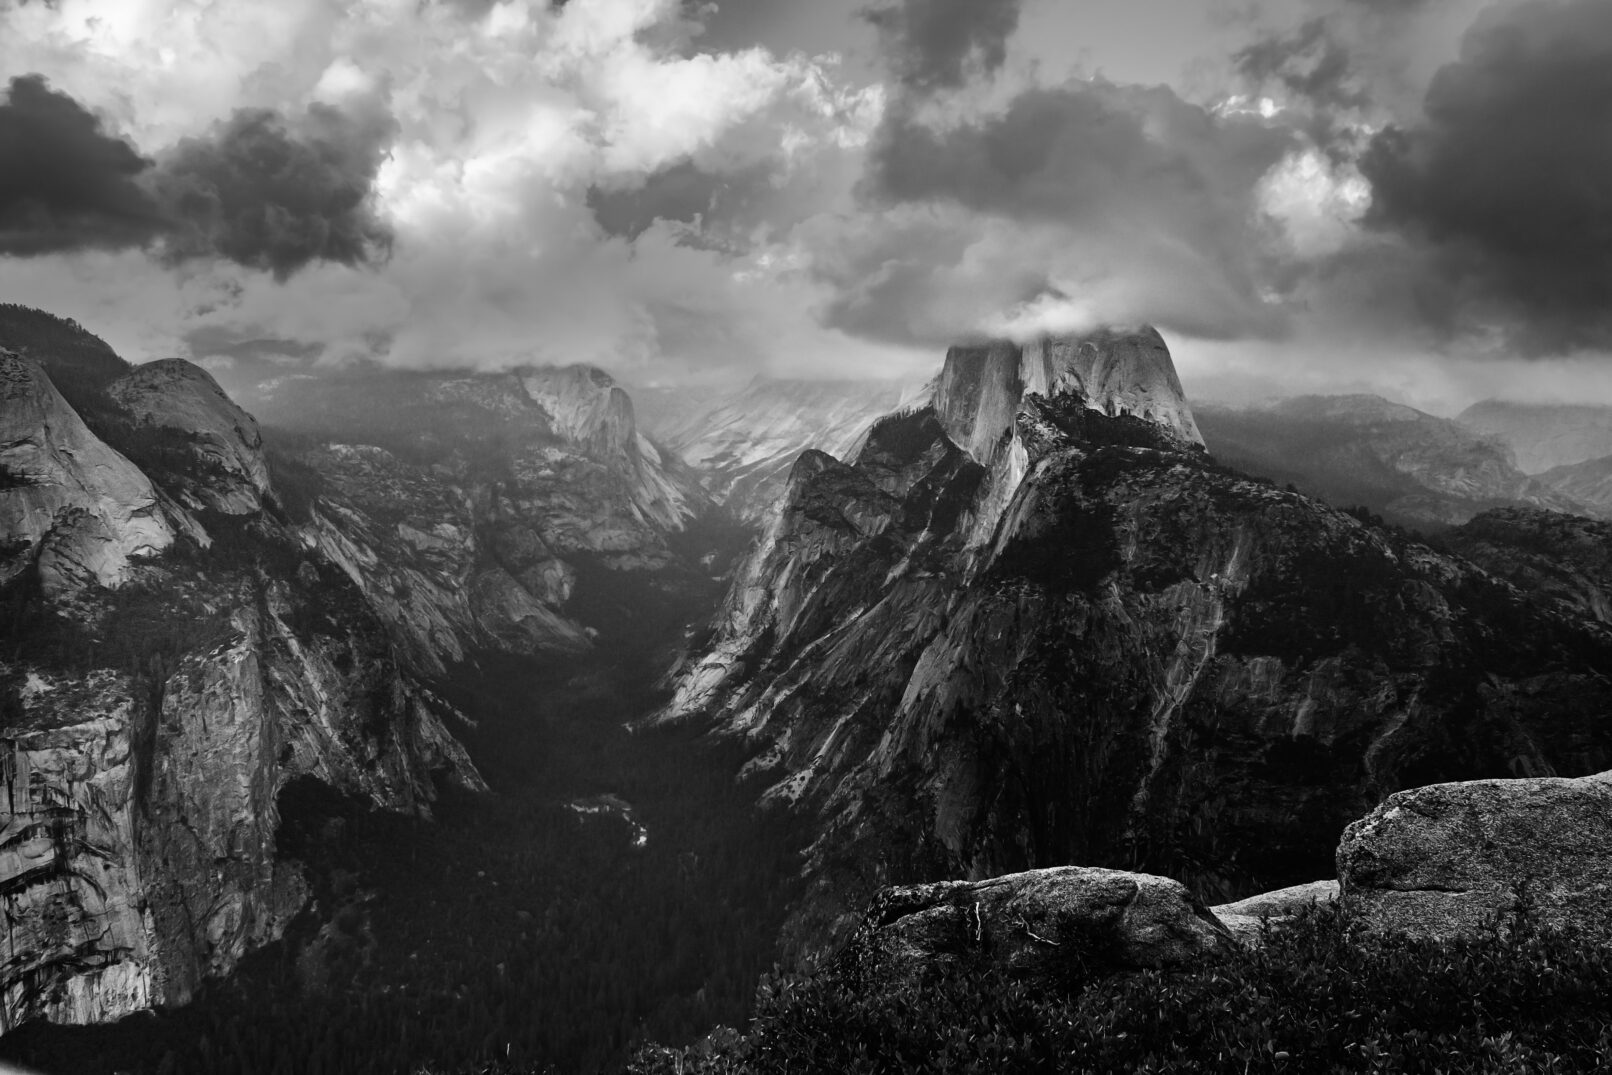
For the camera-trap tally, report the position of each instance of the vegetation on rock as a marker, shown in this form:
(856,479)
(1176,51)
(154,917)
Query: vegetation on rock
(1315,998)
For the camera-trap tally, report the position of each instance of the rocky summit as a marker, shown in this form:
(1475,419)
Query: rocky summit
(215,448)
(72,509)
(1031,622)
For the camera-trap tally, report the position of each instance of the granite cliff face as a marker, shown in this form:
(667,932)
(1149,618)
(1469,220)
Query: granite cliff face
(472,509)
(1020,630)
(176,652)
(71,508)
(1411,467)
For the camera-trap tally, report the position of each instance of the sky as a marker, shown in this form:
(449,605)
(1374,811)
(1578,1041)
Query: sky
(1410,197)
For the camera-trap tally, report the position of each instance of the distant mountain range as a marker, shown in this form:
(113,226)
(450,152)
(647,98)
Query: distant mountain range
(1032,622)
(744,441)
(1027,613)
(1412,468)
(1544,435)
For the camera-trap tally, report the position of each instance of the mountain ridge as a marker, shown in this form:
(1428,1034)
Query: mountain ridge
(1084,640)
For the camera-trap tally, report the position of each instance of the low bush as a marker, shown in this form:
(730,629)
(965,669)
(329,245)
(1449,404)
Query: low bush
(1319,997)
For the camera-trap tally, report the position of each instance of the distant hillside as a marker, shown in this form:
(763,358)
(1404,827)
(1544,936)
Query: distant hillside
(1544,435)
(1413,468)
(745,441)
(1589,483)
(79,362)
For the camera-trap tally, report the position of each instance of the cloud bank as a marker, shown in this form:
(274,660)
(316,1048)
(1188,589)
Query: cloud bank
(637,183)
(68,183)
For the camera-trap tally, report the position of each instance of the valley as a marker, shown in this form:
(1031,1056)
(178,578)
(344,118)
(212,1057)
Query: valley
(749,537)
(488,732)
(509,929)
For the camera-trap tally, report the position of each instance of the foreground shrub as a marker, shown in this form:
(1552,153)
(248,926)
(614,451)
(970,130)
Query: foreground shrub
(1317,998)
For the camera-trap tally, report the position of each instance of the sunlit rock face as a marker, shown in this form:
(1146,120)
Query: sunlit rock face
(409,539)
(79,943)
(139,818)
(216,447)
(69,504)
(588,410)
(164,679)
(744,442)
(1016,630)
(1115,373)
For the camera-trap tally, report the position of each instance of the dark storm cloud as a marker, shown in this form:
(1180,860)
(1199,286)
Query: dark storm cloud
(276,194)
(935,44)
(682,192)
(1504,187)
(1309,62)
(65,182)
(1127,200)
(1092,156)
(473,9)
(1391,7)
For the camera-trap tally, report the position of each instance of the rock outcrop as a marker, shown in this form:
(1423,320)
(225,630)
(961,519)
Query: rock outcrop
(215,447)
(1091,643)
(1446,862)
(1457,859)
(1248,918)
(1055,925)
(70,506)
(980,388)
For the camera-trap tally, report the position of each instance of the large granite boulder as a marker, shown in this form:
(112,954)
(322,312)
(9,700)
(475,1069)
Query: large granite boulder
(1052,924)
(1248,918)
(1449,860)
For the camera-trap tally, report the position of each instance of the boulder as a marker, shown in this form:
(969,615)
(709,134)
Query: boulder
(1450,860)
(1247,918)
(1051,924)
